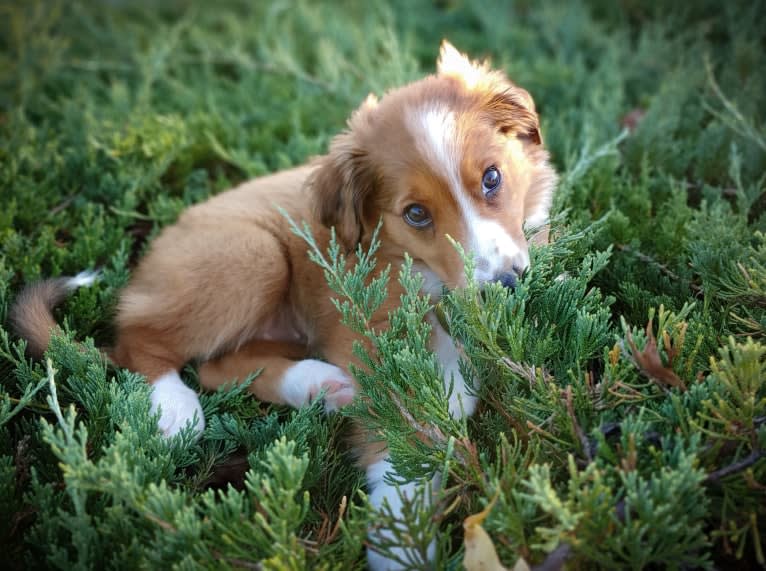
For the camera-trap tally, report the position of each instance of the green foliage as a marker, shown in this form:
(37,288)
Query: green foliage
(621,384)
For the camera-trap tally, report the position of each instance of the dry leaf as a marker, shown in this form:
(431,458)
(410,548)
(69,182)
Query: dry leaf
(480,554)
(649,360)
(632,119)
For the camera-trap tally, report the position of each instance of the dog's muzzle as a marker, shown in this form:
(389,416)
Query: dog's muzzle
(509,279)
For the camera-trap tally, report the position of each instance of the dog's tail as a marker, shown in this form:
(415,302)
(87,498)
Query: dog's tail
(31,315)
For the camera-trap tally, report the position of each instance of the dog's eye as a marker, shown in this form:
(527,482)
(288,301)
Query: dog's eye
(490,182)
(417,216)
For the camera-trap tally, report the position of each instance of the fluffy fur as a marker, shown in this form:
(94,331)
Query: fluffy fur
(231,287)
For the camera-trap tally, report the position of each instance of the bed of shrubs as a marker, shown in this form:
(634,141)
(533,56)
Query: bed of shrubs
(623,385)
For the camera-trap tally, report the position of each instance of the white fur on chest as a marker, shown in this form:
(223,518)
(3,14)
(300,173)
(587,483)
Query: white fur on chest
(461,401)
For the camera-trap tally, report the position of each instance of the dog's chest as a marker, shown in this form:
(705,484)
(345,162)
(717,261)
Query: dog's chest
(461,401)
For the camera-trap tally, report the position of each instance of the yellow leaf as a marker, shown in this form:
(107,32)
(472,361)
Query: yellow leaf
(480,554)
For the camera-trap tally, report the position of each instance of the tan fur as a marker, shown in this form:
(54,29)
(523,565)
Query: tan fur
(31,315)
(231,286)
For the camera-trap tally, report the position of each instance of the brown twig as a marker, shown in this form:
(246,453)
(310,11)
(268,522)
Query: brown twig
(631,395)
(167,526)
(31,405)
(241,563)
(63,204)
(528,372)
(576,425)
(556,559)
(433,433)
(498,406)
(534,428)
(662,267)
(341,510)
(735,467)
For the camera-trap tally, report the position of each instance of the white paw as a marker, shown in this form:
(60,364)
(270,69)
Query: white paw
(303,382)
(402,558)
(398,557)
(177,405)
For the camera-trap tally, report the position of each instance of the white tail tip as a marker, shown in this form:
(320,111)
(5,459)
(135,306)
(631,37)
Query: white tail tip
(83,279)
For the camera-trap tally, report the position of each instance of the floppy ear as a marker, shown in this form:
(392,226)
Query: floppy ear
(344,180)
(511,107)
(513,111)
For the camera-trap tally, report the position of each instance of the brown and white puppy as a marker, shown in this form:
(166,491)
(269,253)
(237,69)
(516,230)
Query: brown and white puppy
(458,153)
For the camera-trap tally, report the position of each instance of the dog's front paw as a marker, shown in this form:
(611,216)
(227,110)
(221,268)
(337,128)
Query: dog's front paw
(401,551)
(401,557)
(307,380)
(337,394)
(177,404)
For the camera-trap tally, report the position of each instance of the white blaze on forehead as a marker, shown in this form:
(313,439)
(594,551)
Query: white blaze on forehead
(436,135)
(435,132)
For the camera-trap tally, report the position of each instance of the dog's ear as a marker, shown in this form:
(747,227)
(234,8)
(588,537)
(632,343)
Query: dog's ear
(344,180)
(510,106)
(452,63)
(513,111)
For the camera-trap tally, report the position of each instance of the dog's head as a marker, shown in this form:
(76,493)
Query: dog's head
(456,154)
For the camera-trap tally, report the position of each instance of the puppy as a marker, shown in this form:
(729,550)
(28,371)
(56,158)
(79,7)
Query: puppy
(456,154)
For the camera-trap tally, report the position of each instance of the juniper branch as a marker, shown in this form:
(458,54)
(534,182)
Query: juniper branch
(735,467)
(660,266)
(732,116)
(586,158)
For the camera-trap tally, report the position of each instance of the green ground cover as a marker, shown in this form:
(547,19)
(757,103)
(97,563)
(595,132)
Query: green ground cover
(623,416)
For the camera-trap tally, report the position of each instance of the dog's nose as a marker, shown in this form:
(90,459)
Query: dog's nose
(507,279)
(510,279)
